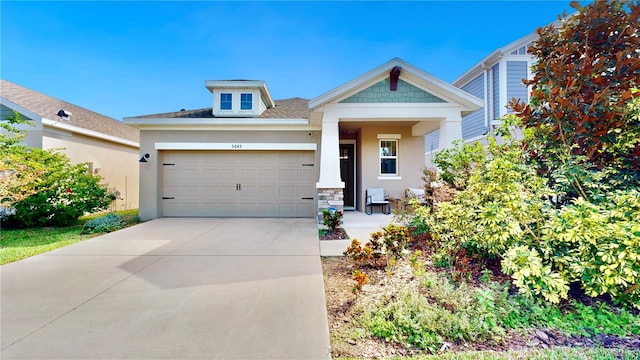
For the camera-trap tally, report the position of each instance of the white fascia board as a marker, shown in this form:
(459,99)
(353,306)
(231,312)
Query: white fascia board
(371,112)
(350,85)
(133,121)
(234,83)
(90,133)
(239,146)
(478,68)
(229,128)
(445,91)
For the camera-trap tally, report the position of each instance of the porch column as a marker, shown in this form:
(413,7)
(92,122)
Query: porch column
(330,154)
(330,186)
(450,131)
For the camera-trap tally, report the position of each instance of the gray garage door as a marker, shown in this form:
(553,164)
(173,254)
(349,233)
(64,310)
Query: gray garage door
(238,184)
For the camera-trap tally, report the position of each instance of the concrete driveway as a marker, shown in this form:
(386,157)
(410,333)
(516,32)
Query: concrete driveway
(172,289)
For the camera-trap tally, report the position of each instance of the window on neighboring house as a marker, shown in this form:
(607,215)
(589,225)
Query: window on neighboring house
(246,101)
(388,157)
(225,101)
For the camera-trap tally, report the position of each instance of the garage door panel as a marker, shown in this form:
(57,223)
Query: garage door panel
(239,183)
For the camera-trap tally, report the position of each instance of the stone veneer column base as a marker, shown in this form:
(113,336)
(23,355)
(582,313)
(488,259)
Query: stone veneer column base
(329,197)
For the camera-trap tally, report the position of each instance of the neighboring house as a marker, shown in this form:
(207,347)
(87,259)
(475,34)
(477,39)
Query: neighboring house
(249,155)
(495,80)
(110,147)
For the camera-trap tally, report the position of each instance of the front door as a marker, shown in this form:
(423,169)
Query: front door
(348,174)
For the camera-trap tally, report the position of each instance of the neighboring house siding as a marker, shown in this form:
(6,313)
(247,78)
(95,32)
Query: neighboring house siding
(496,90)
(6,111)
(380,93)
(431,141)
(473,124)
(516,72)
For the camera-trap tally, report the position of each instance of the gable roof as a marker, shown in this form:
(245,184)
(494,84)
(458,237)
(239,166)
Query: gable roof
(47,107)
(294,108)
(409,73)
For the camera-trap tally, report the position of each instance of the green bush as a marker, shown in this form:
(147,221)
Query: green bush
(435,311)
(598,245)
(332,219)
(505,212)
(425,318)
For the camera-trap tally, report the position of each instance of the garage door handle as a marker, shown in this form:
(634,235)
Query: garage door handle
(167,198)
(238,187)
(307,164)
(168,164)
(309,198)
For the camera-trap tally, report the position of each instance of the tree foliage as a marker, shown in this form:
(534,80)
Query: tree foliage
(578,114)
(20,174)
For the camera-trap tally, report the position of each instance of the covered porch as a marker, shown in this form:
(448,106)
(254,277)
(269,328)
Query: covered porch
(373,128)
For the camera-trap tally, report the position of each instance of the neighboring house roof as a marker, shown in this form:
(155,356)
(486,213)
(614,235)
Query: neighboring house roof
(82,120)
(493,58)
(294,108)
(410,73)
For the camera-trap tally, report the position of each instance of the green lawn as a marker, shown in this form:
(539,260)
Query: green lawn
(544,354)
(20,244)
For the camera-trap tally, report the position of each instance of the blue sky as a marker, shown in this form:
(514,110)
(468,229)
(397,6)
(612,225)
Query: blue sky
(136,58)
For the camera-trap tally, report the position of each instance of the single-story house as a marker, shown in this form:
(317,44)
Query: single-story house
(251,156)
(109,146)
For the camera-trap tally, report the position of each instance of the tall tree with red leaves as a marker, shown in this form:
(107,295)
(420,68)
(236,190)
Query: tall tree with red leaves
(584,84)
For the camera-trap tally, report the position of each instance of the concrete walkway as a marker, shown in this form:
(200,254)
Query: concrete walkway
(172,289)
(358,225)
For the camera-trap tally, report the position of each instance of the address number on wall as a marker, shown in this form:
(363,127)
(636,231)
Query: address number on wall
(236,146)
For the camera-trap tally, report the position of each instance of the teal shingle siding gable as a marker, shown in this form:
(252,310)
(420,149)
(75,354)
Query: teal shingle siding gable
(380,93)
(516,72)
(473,124)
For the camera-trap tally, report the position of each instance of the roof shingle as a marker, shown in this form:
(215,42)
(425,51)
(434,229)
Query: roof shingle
(294,108)
(47,107)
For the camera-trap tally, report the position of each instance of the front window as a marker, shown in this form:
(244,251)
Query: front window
(246,101)
(225,101)
(388,157)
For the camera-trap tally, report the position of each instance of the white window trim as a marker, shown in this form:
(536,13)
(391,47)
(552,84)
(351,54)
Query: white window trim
(251,102)
(389,137)
(220,101)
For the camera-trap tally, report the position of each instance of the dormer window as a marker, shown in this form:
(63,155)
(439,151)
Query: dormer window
(246,101)
(239,98)
(225,101)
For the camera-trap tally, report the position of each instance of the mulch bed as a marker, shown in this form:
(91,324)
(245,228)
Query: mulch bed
(339,234)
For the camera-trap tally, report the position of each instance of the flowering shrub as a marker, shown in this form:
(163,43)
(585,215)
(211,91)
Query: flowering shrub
(65,193)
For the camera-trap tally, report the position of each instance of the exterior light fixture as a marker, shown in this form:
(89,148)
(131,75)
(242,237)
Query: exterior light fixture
(145,157)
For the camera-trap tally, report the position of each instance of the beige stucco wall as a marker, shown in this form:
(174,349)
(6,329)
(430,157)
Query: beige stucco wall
(410,162)
(116,163)
(151,171)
